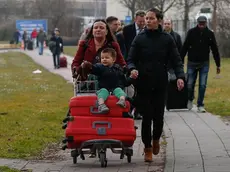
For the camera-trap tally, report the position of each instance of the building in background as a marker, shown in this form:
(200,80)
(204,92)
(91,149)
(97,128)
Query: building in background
(114,8)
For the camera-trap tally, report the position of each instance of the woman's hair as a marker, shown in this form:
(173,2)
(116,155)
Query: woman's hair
(109,37)
(158,13)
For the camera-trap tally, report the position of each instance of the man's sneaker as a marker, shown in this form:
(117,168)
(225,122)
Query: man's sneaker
(189,105)
(201,109)
(103,108)
(121,103)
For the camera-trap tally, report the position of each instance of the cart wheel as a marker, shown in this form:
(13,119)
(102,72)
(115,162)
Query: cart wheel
(103,160)
(129,158)
(82,156)
(75,160)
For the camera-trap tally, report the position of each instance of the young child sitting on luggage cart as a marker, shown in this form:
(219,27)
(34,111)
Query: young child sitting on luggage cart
(111,79)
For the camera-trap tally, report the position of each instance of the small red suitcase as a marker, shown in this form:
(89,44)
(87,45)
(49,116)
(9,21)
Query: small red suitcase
(63,61)
(83,129)
(85,106)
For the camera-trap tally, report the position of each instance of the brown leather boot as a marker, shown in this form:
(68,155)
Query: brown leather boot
(148,154)
(156,147)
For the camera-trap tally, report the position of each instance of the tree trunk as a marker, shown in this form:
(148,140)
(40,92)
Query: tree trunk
(186,16)
(133,10)
(214,16)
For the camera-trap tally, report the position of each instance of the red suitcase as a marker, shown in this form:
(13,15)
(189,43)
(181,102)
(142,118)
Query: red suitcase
(63,61)
(85,106)
(83,129)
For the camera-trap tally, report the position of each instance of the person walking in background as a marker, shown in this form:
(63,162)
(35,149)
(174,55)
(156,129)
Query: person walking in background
(113,24)
(41,39)
(57,48)
(121,42)
(131,30)
(25,38)
(34,35)
(167,24)
(198,42)
(129,33)
(16,36)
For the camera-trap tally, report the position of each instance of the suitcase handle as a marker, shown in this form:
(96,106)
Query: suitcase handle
(95,112)
(101,123)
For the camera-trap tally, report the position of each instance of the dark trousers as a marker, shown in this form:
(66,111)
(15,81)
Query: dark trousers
(56,60)
(152,111)
(25,44)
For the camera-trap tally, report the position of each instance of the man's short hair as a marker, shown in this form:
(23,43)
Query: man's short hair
(110,19)
(111,51)
(140,13)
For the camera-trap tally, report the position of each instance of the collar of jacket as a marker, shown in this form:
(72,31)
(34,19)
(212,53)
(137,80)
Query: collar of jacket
(91,45)
(158,30)
(200,30)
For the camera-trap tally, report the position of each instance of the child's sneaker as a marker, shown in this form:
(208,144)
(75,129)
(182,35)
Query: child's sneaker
(103,108)
(121,103)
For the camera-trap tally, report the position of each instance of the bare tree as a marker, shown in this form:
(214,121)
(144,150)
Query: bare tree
(163,5)
(187,5)
(53,10)
(131,5)
(217,5)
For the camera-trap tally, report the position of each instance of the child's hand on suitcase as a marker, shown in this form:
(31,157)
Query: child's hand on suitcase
(180,84)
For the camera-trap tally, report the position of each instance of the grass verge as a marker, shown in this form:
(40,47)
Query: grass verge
(70,50)
(217,97)
(32,106)
(7,169)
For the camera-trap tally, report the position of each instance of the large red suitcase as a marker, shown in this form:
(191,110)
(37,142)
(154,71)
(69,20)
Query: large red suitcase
(85,106)
(83,129)
(63,61)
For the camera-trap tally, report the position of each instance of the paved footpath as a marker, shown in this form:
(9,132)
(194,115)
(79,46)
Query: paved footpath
(195,143)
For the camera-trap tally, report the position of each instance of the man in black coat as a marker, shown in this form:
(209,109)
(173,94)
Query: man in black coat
(198,42)
(131,30)
(177,38)
(167,25)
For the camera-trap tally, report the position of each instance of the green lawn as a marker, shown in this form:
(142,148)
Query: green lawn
(32,106)
(70,50)
(217,100)
(6,169)
(217,97)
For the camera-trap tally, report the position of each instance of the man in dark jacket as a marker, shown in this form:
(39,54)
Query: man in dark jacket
(198,42)
(177,38)
(150,52)
(131,30)
(129,33)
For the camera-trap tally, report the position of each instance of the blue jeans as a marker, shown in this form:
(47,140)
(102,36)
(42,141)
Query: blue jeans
(192,70)
(40,49)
